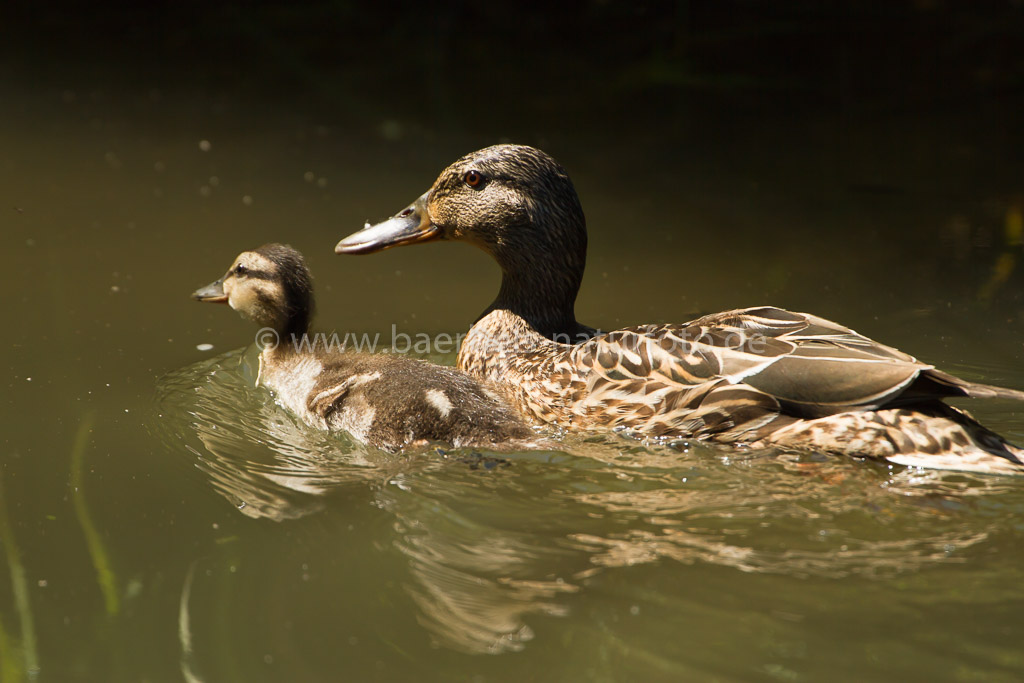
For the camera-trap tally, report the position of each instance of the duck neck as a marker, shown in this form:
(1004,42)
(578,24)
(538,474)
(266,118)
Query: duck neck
(294,332)
(543,293)
(542,251)
(290,328)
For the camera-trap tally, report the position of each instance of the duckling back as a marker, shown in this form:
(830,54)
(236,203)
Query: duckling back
(389,401)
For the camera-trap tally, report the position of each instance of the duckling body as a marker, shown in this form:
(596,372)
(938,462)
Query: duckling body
(387,401)
(761,376)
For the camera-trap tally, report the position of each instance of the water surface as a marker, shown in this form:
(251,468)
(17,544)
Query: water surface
(162,519)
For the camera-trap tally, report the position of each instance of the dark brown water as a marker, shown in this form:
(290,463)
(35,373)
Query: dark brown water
(161,519)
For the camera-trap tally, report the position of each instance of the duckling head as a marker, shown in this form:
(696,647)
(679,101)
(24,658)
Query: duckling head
(517,204)
(270,285)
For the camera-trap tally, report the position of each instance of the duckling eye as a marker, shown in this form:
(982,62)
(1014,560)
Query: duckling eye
(241,270)
(473,178)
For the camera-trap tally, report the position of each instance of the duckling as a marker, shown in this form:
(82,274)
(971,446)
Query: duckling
(760,376)
(387,401)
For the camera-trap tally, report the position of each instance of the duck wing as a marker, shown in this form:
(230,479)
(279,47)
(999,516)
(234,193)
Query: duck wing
(804,365)
(812,366)
(833,369)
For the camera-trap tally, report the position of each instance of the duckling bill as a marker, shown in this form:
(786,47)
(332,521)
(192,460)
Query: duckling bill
(387,401)
(760,376)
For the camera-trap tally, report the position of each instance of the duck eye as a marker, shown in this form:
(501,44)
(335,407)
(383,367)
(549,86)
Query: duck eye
(473,178)
(241,270)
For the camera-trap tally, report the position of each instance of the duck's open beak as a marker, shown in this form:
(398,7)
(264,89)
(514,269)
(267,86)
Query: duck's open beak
(410,226)
(212,293)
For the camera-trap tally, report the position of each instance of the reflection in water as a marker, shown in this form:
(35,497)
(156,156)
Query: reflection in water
(788,516)
(271,466)
(872,557)
(255,454)
(489,544)
(473,583)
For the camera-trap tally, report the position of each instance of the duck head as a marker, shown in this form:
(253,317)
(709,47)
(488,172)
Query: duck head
(270,286)
(517,204)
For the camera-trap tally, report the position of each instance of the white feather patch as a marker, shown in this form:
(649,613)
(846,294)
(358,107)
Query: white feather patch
(439,400)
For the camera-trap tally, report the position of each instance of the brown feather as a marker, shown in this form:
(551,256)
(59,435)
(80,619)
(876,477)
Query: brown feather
(763,376)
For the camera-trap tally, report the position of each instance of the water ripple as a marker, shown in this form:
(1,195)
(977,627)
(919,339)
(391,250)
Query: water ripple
(490,542)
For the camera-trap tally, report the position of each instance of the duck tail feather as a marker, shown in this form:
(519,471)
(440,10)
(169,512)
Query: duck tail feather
(973,389)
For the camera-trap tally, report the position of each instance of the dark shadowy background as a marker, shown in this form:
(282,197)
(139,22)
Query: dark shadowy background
(475,65)
(798,142)
(830,104)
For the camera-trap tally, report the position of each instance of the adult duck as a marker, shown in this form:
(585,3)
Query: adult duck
(761,376)
(388,401)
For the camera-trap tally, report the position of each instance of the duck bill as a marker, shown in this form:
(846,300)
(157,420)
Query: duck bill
(410,226)
(212,293)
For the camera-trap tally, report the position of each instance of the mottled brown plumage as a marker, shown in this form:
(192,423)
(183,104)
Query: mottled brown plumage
(388,401)
(762,376)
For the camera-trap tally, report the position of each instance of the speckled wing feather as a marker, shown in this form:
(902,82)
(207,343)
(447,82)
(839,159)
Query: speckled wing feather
(730,373)
(812,366)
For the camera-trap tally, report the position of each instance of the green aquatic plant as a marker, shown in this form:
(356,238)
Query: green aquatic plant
(9,664)
(97,550)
